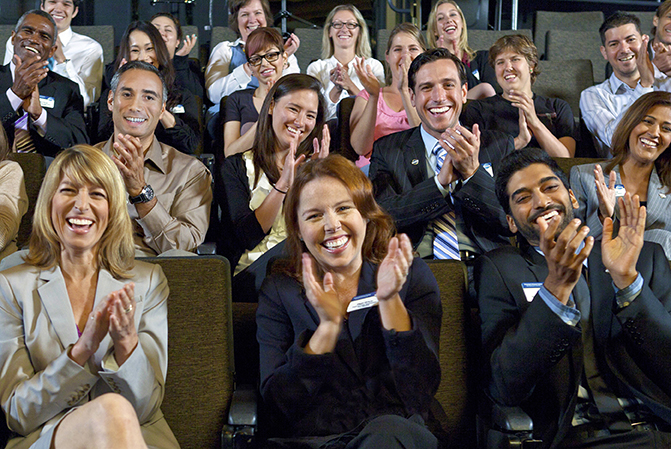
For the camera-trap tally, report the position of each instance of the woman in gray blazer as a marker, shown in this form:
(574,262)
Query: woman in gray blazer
(641,165)
(83,327)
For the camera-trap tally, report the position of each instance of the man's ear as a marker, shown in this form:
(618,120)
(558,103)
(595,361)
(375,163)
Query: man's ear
(53,48)
(603,52)
(412,97)
(12,37)
(160,116)
(574,200)
(655,21)
(511,224)
(75,12)
(110,101)
(464,92)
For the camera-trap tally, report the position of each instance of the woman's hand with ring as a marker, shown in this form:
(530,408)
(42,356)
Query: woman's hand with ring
(121,308)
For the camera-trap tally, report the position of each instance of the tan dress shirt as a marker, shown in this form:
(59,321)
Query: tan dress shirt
(183,186)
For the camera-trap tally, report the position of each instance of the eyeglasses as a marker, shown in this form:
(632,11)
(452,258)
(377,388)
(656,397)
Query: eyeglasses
(349,25)
(256,60)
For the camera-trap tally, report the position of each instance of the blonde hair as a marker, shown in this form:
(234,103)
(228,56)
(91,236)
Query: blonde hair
(362,41)
(84,164)
(432,29)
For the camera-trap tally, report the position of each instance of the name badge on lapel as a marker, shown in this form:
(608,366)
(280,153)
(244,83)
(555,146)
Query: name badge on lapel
(362,302)
(530,289)
(178,109)
(488,168)
(47,102)
(619,190)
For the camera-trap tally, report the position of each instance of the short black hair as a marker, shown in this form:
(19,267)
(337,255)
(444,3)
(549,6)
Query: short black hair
(618,19)
(432,55)
(37,12)
(75,3)
(519,160)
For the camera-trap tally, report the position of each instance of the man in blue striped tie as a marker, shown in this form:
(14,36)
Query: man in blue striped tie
(436,180)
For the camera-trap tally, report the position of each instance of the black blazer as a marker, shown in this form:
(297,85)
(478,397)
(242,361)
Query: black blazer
(404,189)
(535,360)
(65,120)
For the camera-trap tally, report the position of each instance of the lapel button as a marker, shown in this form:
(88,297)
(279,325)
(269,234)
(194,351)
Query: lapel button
(415,161)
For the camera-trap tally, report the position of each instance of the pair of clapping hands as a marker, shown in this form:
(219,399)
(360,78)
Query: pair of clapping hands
(291,162)
(619,254)
(114,315)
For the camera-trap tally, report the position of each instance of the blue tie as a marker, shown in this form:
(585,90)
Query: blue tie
(445,243)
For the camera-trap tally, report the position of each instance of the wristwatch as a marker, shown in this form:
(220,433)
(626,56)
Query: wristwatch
(145,196)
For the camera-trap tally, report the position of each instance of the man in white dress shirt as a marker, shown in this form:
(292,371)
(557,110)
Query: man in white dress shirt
(77,57)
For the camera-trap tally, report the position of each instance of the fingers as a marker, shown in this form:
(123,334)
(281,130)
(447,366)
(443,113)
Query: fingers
(326,142)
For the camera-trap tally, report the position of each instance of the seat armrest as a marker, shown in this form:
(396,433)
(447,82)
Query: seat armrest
(241,429)
(511,419)
(207,249)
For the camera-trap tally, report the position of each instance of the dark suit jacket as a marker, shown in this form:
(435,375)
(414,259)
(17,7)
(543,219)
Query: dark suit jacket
(534,359)
(404,189)
(65,120)
(370,373)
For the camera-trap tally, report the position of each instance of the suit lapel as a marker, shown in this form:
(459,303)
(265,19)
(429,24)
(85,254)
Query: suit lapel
(54,297)
(414,156)
(658,201)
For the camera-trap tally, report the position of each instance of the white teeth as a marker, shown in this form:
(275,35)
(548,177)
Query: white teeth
(292,130)
(549,215)
(450,28)
(648,142)
(80,221)
(337,243)
(627,58)
(33,50)
(439,110)
(135,119)
(507,77)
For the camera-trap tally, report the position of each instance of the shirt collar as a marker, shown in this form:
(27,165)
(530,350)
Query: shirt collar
(155,155)
(615,83)
(65,36)
(429,141)
(238,42)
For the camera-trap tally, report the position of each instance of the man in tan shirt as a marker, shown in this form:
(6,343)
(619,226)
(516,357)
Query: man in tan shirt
(169,193)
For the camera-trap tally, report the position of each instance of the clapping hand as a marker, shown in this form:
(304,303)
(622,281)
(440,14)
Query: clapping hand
(321,151)
(189,43)
(605,193)
(367,78)
(291,163)
(393,271)
(620,254)
(121,308)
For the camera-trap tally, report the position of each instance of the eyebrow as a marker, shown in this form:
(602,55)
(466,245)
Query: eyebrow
(131,90)
(656,119)
(541,182)
(625,38)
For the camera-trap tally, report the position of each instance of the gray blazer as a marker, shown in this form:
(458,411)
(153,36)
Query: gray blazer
(658,221)
(40,383)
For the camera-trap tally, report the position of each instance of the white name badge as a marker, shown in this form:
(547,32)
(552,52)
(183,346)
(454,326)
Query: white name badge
(619,190)
(47,102)
(488,168)
(179,109)
(362,302)
(530,289)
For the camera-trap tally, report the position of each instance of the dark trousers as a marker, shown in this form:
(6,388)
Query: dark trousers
(387,431)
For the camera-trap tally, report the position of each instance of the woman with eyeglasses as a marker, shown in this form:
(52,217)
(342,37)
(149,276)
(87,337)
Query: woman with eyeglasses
(345,38)
(267,59)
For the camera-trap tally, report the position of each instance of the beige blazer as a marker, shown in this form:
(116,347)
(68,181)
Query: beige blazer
(39,383)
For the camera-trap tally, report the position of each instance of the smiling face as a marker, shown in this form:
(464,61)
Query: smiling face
(295,112)
(663,25)
(331,226)
(168,31)
(79,215)
(403,45)
(35,36)
(344,37)
(250,17)
(622,46)
(651,136)
(267,72)
(513,72)
(63,11)
(438,96)
(137,105)
(533,192)
(142,48)
(448,22)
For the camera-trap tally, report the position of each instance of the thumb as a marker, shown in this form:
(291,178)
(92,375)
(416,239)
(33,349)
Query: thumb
(329,284)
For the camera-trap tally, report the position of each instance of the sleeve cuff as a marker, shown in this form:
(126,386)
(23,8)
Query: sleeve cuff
(569,314)
(628,294)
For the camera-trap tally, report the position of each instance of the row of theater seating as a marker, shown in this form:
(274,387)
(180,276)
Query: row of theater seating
(213,355)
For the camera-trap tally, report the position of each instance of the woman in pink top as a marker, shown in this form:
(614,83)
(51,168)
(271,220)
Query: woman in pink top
(391,111)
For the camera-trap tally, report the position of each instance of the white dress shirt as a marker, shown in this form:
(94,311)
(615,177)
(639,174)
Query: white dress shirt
(83,64)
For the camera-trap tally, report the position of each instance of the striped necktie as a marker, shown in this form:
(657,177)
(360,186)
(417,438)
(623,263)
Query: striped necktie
(23,143)
(445,243)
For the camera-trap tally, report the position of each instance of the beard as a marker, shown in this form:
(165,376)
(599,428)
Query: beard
(530,229)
